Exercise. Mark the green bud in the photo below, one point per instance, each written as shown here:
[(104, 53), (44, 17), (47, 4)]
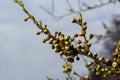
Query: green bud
[(61, 53), (87, 77), (71, 39), (114, 64), (115, 54), (67, 43), (84, 23), (97, 73), (109, 72), (89, 64), (70, 59), (91, 36), (67, 37), (73, 20), (100, 59), (73, 72), (38, 33), (56, 45), (89, 44), (79, 46), (56, 50), (46, 31), (54, 41), (108, 61), (95, 55), (98, 67), (83, 33), (79, 41), (102, 69), (61, 38), (45, 26), (106, 69), (113, 69), (67, 47), (67, 68), (50, 41), (105, 75), (56, 32), (59, 33), (115, 59), (43, 40), (75, 35), (84, 28), (89, 54), (52, 46)]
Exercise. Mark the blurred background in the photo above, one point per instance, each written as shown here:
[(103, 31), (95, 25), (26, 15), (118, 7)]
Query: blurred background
[(23, 56)]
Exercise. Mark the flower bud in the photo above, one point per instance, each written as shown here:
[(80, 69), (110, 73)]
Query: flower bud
[(79, 41), (67, 43), (38, 33), (87, 77), (73, 72), (100, 59), (76, 35), (88, 44), (45, 31), (61, 53), (67, 48), (43, 40), (108, 61), (97, 73), (70, 59), (84, 28), (114, 64), (91, 36), (95, 55), (89, 64), (50, 41), (84, 23), (73, 20), (83, 33), (89, 54), (67, 37), (71, 39)]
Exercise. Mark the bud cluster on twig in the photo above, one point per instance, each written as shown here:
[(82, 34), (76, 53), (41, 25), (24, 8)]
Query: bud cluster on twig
[(64, 46)]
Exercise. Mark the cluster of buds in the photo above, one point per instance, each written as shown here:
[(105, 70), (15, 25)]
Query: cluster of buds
[(67, 68), (116, 59), (100, 66), (106, 67), (64, 46)]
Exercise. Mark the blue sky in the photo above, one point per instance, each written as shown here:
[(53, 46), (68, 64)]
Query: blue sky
[(22, 54)]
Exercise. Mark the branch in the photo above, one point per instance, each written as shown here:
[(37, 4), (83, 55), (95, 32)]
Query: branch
[(81, 9)]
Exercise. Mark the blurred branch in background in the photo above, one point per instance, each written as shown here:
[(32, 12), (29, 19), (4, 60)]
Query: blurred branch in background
[(112, 35), (82, 7)]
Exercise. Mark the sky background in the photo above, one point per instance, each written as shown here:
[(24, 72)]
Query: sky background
[(22, 54)]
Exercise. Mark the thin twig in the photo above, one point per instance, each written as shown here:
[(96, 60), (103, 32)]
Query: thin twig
[(73, 11)]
